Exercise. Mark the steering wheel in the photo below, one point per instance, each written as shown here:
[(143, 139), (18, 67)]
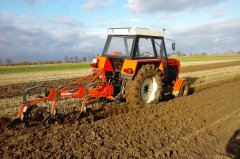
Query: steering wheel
[(145, 54)]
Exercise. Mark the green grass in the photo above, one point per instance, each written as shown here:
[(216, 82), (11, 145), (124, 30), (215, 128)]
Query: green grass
[(41, 68), (208, 58), (75, 66)]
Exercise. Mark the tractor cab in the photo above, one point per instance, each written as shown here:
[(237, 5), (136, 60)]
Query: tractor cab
[(142, 45), (134, 43)]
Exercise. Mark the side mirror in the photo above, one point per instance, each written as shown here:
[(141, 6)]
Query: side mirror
[(173, 46)]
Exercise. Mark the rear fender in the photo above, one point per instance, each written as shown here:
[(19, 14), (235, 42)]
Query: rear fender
[(131, 67)]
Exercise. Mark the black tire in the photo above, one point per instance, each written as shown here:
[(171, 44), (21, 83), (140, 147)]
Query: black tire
[(36, 115), (30, 112), (40, 114), (145, 88), (184, 90)]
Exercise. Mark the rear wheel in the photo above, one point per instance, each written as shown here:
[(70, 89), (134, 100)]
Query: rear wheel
[(145, 88), (184, 89)]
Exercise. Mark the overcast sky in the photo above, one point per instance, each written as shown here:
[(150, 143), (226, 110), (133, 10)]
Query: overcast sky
[(51, 29)]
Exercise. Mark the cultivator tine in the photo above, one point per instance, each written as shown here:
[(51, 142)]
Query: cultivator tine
[(83, 108), (84, 103), (78, 117), (47, 118), (53, 107)]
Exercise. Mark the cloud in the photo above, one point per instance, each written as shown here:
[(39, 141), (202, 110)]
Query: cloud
[(209, 37), (67, 21), (142, 6), (167, 16), (38, 38), (92, 5), (217, 11), (34, 3), (25, 38)]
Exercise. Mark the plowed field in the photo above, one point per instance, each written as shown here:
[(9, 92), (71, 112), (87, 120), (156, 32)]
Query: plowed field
[(205, 124), (11, 90)]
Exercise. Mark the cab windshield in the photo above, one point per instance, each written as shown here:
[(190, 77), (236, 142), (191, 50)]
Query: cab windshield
[(119, 46)]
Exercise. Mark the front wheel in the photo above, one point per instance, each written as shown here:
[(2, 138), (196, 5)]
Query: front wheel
[(145, 88)]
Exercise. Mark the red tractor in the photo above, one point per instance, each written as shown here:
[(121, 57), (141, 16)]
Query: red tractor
[(134, 66)]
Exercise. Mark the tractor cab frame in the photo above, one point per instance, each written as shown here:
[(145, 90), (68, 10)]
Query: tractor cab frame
[(135, 44), (139, 45)]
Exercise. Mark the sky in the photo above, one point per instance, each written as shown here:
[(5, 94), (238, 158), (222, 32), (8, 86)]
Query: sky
[(52, 29)]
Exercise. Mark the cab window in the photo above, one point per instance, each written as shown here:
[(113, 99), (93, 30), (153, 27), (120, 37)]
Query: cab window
[(145, 48), (119, 46), (159, 44)]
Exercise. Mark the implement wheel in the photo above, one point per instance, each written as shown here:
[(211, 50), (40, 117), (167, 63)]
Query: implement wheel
[(145, 88), (36, 115), (40, 114)]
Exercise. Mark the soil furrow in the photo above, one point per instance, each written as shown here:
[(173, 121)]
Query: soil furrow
[(179, 128)]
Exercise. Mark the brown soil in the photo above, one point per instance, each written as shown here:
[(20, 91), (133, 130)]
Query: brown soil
[(12, 90), (203, 125), (209, 66)]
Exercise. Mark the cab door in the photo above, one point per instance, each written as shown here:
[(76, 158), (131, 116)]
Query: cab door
[(170, 67)]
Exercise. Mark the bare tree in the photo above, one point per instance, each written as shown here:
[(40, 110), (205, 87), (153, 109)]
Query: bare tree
[(76, 59), (178, 53), (84, 59), (8, 61), (4, 61), (71, 59), (89, 58), (66, 59)]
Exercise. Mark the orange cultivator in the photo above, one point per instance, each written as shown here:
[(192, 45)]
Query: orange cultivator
[(96, 87)]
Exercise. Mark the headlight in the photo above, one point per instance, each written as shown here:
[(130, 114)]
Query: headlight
[(94, 60), (94, 63)]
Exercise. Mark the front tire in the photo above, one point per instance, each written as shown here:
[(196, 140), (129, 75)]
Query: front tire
[(145, 88)]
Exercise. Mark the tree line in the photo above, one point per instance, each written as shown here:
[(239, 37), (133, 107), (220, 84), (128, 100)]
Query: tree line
[(66, 59), (179, 53), (76, 59)]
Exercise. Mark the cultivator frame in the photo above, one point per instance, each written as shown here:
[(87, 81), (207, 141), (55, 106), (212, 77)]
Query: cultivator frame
[(83, 89)]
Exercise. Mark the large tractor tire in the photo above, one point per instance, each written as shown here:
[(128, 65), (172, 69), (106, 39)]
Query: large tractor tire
[(184, 90), (145, 88)]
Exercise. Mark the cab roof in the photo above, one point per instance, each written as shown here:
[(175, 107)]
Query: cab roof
[(135, 31)]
